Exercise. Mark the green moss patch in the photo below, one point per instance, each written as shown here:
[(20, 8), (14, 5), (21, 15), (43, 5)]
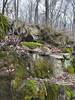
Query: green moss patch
[(31, 45), (70, 70), (68, 50)]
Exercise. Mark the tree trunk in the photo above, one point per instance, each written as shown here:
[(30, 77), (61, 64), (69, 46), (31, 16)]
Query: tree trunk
[(4, 5), (73, 26), (30, 12), (16, 8), (17, 11), (36, 12), (47, 12)]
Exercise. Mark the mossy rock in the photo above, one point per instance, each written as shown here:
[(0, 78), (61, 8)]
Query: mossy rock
[(4, 25)]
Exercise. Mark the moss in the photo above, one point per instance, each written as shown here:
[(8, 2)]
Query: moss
[(30, 88), (28, 91), (31, 45), (3, 26), (68, 50), (73, 62), (27, 97), (18, 77), (70, 69), (68, 92), (52, 91)]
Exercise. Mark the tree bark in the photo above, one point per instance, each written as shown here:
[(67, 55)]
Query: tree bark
[(36, 11), (30, 12), (73, 26), (47, 12), (16, 8)]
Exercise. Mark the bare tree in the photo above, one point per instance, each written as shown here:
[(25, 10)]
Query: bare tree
[(30, 11), (36, 11), (16, 8), (73, 26), (47, 11), (64, 17), (4, 6), (8, 7), (17, 11)]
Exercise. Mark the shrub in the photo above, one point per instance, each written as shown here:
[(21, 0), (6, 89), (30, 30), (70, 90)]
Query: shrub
[(3, 26), (43, 68)]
